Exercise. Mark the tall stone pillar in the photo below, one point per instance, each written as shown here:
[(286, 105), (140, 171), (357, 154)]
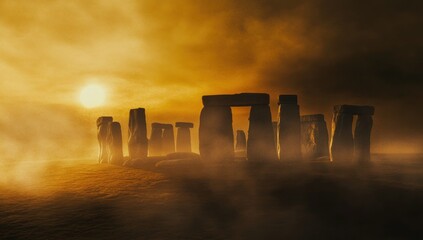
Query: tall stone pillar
[(137, 134), (241, 141), (362, 134), (155, 142), (168, 139), (102, 131), (289, 142), (260, 144), (183, 136), (342, 143), (314, 137), (114, 139), (216, 136)]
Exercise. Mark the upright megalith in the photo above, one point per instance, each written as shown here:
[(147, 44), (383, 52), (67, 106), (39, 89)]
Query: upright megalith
[(241, 141), (260, 144), (114, 142), (137, 134), (362, 134), (289, 130), (102, 131), (314, 137), (183, 136), (162, 140), (344, 146), (216, 136), (168, 139), (216, 132), (155, 142)]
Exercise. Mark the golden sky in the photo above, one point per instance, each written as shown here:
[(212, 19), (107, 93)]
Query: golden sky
[(164, 55)]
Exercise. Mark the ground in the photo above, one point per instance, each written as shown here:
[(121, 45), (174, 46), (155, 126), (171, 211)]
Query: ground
[(80, 199)]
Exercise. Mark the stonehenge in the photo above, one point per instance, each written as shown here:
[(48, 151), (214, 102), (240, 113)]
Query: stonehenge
[(102, 131), (345, 146), (289, 130), (314, 137), (137, 134), (183, 136), (162, 139), (114, 142), (216, 136)]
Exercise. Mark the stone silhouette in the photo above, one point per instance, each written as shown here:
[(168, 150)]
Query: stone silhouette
[(137, 134), (102, 131), (162, 139), (344, 146), (314, 137), (114, 142), (241, 141), (168, 139), (216, 131), (183, 136), (289, 130)]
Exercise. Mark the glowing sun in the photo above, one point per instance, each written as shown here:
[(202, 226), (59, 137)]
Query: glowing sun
[(92, 96)]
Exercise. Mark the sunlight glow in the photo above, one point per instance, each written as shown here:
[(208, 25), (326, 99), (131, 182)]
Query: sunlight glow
[(92, 96)]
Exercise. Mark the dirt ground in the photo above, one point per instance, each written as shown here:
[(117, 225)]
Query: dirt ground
[(79, 199)]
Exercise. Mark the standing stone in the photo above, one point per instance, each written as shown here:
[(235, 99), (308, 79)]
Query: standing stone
[(102, 131), (342, 143), (183, 136), (314, 137), (289, 134), (362, 134), (168, 139), (137, 134), (155, 143), (114, 139), (260, 144), (216, 136), (241, 141)]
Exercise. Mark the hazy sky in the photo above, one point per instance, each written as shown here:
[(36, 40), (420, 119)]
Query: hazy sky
[(164, 55)]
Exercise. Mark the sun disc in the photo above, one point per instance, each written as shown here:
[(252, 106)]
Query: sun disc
[(92, 96)]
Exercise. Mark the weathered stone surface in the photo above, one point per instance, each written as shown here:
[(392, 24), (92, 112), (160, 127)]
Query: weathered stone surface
[(241, 141), (289, 130), (183, 136), (216, 137), (102, 131), (183, 155), (184, 125), (168, 139), (242, 99), (260, 144), (362, 134), (114, 140), (155, 142), (185, 164), (342, 143), (314, 137), (137, 134)]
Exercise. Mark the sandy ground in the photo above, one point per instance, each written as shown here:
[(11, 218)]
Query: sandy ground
[(80, 199)]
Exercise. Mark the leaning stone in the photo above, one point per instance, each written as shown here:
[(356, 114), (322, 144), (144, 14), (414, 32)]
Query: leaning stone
[(342, 143), (362, 134), (168, 139), (155, 142), (102, 130), (183, 137)]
